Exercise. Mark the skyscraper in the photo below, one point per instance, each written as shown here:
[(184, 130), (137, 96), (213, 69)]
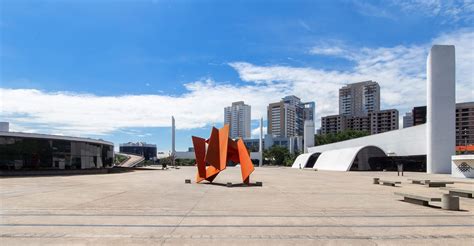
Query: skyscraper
[(286, 118), (359, 109), (238, 117), (359, 99), (281, 119)]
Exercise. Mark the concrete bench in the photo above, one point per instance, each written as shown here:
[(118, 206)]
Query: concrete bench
[(430, 183), (419, 181), (438, 183), (389, 183), (460, 192), (416, 199)]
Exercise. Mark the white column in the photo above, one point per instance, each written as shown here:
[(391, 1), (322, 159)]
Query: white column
[(173, 135), (260, 144), (441, 109), (308, 135)]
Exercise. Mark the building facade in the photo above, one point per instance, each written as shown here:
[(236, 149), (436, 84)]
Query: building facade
[(281, 119), (332, 124), (464, 121), (419, 115), (359, 99), (383, 121), (465, 124), (359, 109), (30, 151), (408, 119), (374, 123), (148, 151), (286, 118), (238, 117)]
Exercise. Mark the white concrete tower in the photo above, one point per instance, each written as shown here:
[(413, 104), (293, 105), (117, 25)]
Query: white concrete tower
[(173, 137), (441, 108), (308, 135), (260, 144)]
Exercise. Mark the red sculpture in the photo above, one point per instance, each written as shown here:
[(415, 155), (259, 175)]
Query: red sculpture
[(220, 149)]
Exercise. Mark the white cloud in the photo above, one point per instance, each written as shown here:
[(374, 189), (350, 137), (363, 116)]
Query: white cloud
[(400, 70), (455, 10), (256, 132), (369, 9), (80, 114), (331, 49)]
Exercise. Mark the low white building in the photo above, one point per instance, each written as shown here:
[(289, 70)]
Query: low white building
[(435, 139)]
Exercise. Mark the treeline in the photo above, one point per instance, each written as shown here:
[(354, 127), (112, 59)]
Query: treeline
[(338, 137)]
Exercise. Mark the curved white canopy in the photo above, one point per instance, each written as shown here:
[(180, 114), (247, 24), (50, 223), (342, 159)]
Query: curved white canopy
[(341, 159), (301, 160)]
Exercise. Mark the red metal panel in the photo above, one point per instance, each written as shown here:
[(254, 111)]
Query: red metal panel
[(212, 155), (200, 153), (246, 166), (220, 149), (223, 144)]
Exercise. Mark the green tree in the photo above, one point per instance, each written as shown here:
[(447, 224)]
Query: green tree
[(277, 155), (165, 161), (119, 158), (338, 137)]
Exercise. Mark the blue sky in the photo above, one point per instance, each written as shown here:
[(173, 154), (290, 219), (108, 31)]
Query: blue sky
[(118, 70)]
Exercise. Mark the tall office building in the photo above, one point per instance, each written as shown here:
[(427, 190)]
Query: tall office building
[(359, 99), (238, 118), (359, 109), (408, 120), (281, 119), (286, 118)]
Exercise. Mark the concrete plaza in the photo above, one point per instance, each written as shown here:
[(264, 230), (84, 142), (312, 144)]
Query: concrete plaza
[(293, 207)]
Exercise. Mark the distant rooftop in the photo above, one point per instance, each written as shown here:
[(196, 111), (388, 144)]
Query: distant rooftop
[(140, 144), (54, 137)]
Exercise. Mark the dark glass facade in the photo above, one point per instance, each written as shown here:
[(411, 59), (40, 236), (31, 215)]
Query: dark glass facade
[(148, 152), (419, 115), (18, 153)]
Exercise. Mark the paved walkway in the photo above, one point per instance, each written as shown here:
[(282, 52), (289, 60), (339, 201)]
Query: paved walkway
[(293, 207)]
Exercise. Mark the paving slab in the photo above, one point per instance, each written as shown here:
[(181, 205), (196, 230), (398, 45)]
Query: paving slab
[(294, 206)]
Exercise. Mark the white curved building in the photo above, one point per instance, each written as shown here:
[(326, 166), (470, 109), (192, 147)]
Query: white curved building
[(435, 139), (340, 156)]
